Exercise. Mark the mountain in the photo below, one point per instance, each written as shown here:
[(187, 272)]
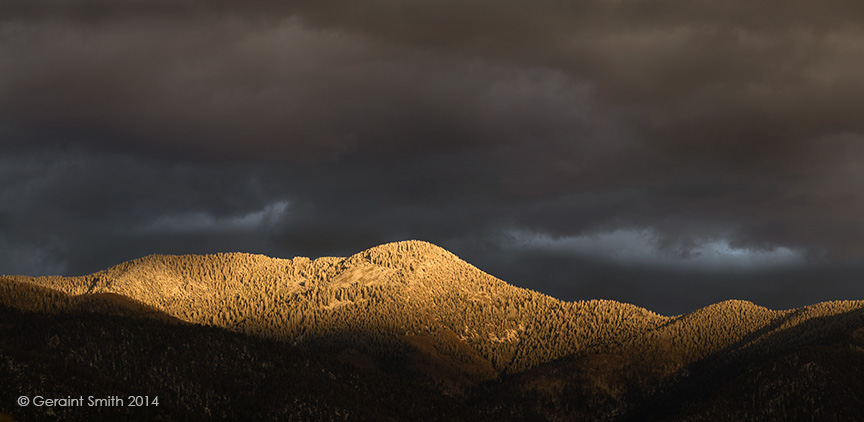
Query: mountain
[(419, 332)]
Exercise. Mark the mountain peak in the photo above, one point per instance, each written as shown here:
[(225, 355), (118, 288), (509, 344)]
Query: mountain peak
[(406, 252)]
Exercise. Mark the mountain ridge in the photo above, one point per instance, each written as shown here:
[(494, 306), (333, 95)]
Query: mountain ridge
[(439, 318), (417, 273)]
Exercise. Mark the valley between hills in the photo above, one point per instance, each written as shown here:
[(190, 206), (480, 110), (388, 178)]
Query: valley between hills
[(407, 331)]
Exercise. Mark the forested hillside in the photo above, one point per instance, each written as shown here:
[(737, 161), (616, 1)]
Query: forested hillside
[(413, 311)]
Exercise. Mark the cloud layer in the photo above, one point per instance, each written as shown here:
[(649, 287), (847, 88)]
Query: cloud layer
[(315, 128)]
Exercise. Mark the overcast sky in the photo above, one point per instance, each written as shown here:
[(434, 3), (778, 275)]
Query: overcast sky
[(667, 153)]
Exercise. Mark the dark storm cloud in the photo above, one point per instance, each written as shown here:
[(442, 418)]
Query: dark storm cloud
[(241, 88), (73, 212), (314, 128)]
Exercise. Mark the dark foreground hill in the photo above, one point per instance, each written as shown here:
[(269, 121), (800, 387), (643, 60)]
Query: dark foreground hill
[(406, 331)]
